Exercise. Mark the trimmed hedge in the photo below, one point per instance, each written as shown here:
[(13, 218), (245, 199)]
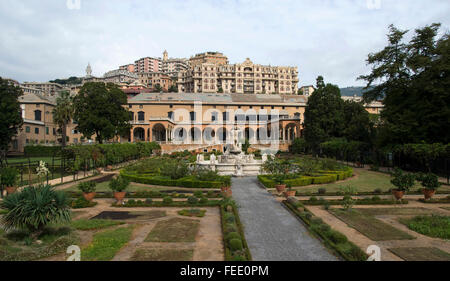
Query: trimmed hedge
[(41, 150), (189, 182), (324, 177)]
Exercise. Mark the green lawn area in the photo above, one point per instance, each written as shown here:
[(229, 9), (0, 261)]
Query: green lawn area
[(174, 230), (364, 181), (369, 226), (433, 226), (163, 255), (421, 254), (106, 244), (47, 160)]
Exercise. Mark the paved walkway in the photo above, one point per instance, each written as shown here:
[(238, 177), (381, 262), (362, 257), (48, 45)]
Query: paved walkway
[(272, 232)]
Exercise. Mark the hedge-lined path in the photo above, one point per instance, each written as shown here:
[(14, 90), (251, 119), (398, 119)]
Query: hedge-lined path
[(271, 231)]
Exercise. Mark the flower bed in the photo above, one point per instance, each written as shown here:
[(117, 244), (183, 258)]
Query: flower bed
[(322, 178), (366, 201), (189, 181)]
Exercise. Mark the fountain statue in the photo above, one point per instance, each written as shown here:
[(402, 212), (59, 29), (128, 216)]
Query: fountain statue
[(234, 161)]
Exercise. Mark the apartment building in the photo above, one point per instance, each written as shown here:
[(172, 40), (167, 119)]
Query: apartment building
[(46, 87), (215, 76)]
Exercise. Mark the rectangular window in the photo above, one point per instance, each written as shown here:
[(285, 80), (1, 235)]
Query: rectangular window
[(193, 116), (47, 130), (27, 129), (225, 116), (214, 116), (36, 131)]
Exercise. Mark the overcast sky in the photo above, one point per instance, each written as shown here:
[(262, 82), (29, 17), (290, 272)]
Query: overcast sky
[(42, 40)]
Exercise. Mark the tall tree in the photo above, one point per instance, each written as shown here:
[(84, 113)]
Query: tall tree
[(413, 80), (10, 117), (324, 116), (63, 114), (357, 124), (100, 110)]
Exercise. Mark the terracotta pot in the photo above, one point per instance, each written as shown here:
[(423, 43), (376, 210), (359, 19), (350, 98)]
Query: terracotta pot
[(109, 167), (428, 193), (119, 196), (99, 170), (289, 193), (11, 189), (89, 195), (280, 187), (398, 194), (225, 188)]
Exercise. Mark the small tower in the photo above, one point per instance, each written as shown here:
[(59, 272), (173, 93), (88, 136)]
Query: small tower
[(89, 70), (165, 55)]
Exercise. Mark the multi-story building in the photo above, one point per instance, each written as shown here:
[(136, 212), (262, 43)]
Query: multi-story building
[(208, 57), (148, 64), (243, 78), (307, 90), (119, 76), (151, 79), (46, 87), (127, 67)]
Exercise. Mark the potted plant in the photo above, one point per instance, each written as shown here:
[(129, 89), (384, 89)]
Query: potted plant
[(430, 182), (88, 189), (118, 186), (403, 182), (279, 179), (9, 178), (289, 192)]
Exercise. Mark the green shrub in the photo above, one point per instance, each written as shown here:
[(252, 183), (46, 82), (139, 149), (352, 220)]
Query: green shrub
[(34, 208), (8, 176), (377, 191), (192, 200), (198, 193), (230, 227), (203, 200), (87, 186), (81, 203), (148, 201), (233, 235), (174, 169), (239, 258), (119, 185), (322, 190), (376, 198), (235, 244), (402, 181), (229, 218), (313, 199), (167, 200), (336, 237)]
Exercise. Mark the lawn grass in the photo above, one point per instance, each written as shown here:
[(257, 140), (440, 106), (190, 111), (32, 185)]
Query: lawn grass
[(48, 160), (433, 226), (163, 255), (395, 211), (421, 254), (106, 244), (369, 226), (364, 181), (145, 215), (192, 213), (174, 230), (85, 224)]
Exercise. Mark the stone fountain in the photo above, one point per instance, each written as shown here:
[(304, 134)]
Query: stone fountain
[(234, 162)]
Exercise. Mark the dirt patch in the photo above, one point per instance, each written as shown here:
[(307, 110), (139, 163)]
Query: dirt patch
[(421, 254), (163, 255)]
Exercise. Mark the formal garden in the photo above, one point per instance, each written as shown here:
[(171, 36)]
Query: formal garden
[(164, 203)]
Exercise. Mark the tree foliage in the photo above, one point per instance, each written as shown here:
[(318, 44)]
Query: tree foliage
[(413, 81), (99, 110), (63, 114), (11, 117)]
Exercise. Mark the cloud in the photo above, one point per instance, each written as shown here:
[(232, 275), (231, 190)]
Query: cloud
[(43, 40)]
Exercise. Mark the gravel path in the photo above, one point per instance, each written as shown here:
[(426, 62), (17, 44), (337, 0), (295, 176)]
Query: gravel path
[(272, 233)]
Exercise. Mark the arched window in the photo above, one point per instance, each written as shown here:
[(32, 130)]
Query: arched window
[(37, 115)]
